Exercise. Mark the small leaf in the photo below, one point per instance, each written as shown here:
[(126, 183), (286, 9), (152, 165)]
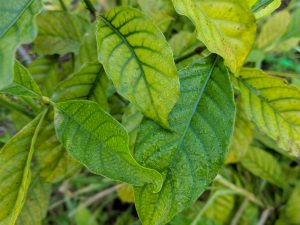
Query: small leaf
[(138, 59), (99, 142), (265, 7), (59, 33), (36, 204), (15, 174), (183, 43), (23, 84), (226, 27), (89, 83), (125, 193), (293, 29), (190, 156), (273, 106), (293, 206), (264, 165), (84, 217), (16, 28)]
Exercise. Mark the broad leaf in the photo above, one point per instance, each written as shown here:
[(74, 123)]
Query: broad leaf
[(138, 59), (23, 83), (226, 27), (16, 28), (242, 136), (36, 204), (52, 160), (90, 82), (59, 32), (264, 165), (191, 155), (15, 174), (99, 142), (265, 7), (273, 106), (273, 29)]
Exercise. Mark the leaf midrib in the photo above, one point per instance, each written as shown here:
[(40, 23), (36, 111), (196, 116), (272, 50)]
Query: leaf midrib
[(124, 40)]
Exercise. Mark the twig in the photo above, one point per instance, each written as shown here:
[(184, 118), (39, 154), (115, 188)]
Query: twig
[(63, 6), (95, 198), (264, 216), (239, 213), (239, 190), (91, 8)]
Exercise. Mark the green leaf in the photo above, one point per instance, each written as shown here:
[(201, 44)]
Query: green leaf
[(273, 29), (183, 43), (15, 173), (264, 165), (125, 193), (84, 217), (293, 206), (52, 160), (226, 27), (36, 204), (16, 28), (242, 136), (293, 29), (138, 59), (60, 32), (265, 7), (90, 82), (99, 142), (190, 156), (23, 83), (273, 106), (45, 72)]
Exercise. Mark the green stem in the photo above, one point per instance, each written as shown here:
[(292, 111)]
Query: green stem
[(63, 6), (197, 51), (239, 190), (5, 101), (90, 7)]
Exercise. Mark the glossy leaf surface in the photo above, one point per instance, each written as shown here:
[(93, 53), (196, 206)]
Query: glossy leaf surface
[(226, 27), (191, 155), (138, 59), (98, 141)]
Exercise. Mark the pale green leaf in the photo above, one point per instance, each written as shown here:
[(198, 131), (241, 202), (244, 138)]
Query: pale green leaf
[(15, 173), (273, 29), (36, 204), (45, 72), (226, 27), (190, 155), (52, 160), (287, 45), (273, 106), (242, 137), (99, 142), (265, 7), (293, 206), (138, 59), (23, 83), (60, 32), (293, 29), (125, 193), (264, 165), (85, 217), (183, 43), (89, 83), (16, 27)]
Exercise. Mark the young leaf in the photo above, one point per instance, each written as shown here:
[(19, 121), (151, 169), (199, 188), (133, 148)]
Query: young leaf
[(226, 27), (99, 142), (293, 29), (16, 27), (138, 59), (59, 33), (52, 160), (23, 84), (264, 165), (190, 156), (242, 136), (36, 204), (15, 174), (265, 7), (89, 83), (273, 106), (293, 206)]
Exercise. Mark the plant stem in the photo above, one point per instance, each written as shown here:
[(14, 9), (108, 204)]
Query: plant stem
[(197, 51), (5, 101), (264, 216), (239, 190), (239, 213), (90, 7), (63, 6)]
